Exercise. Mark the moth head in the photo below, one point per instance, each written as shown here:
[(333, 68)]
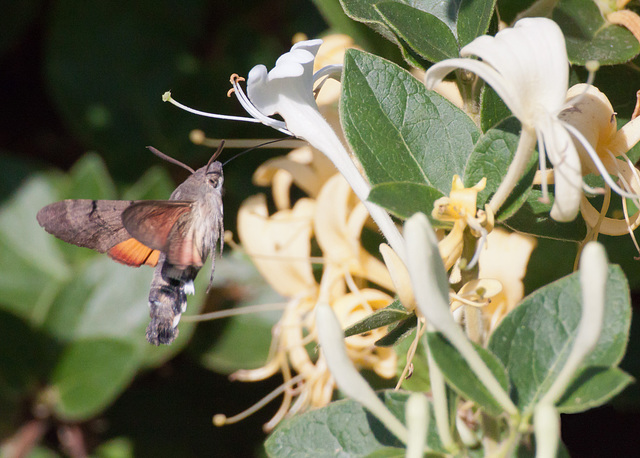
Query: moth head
[(214, 169)]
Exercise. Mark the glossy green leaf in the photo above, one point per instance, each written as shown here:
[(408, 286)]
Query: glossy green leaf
[(593, 387), (491, 157), (533, 218), (403, 199), (398, 130), (90, 373), (492, 109), (460, 376), (410, 24), (590, 37), (474, 17), (392, 313), (534, 340)]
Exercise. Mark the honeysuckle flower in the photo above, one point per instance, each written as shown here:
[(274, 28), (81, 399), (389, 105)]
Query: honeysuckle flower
[(593, 116), (431, 288), (593, 282), (504, 258), (527, 66), (279, 244), (288, 90), (305, 167), (460, 209)]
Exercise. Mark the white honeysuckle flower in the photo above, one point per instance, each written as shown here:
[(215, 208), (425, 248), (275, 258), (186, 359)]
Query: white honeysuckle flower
[(348, 379), (288, 90), (431, 289), (593, 282), (528, 68)]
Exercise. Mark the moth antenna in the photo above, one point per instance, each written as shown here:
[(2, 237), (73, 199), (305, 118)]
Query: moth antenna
[(163, 156), (216, 154), (253, 148)]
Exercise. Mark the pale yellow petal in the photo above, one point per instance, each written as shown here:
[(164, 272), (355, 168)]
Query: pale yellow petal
[(505, 258), (279, 245)]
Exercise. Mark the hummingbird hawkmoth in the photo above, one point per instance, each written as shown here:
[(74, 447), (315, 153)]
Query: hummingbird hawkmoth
[(176, 236)]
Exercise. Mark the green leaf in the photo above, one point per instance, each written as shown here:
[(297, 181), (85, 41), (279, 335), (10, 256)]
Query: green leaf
[(533, 218), (398, 333), (89, 179), (398, 130), (590, 37), (410, 25), (460, 376), (593, 387), (534, 340), (343, 428), (31, 264), (89, 375), (403, 199), (474, 17), (392, 313), (154, 184), (492, 109), (491, 158)]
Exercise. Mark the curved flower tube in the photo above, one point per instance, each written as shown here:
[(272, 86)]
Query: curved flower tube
[(527, 66)]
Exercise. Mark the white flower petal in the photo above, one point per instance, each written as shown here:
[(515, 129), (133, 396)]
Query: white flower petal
[(503, 87), (567, 170), (532, 55)]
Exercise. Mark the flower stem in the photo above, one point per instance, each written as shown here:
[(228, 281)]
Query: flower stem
[(521, 158)]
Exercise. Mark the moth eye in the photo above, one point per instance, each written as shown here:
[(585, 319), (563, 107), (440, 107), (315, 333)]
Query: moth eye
[(213, 181)]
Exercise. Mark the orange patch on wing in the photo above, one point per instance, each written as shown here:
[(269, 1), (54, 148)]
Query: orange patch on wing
[(133, 253)]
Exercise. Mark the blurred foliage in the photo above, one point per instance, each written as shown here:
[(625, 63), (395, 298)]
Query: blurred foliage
[(88, 76)]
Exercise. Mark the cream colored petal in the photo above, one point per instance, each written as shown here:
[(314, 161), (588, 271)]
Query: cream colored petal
[(595, 118), (279, 245), (626, 138), (400, 276), (608, 226), (302, 174), (330, 222), (505, 258), (354, 307)]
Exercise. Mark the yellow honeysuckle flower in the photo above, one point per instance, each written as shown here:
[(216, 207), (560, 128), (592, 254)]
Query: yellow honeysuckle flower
[(280, 246), (460, 209)]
